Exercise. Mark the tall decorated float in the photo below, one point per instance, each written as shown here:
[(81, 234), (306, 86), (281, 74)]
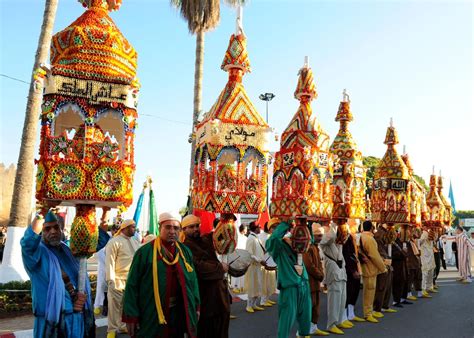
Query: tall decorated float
[(88, 121), (417, 193), (303, 167), (349, 185), (448, 210), (435, 206), (232, 155), (390, 198)]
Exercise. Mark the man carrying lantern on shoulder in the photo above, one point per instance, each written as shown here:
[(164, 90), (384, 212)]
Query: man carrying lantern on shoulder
[(286, 245)]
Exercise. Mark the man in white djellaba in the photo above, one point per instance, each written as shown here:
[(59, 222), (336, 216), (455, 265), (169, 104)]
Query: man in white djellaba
[(254, 274)]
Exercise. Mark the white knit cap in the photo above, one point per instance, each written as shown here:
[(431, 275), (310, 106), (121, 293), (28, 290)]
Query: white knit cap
[(169, 216)]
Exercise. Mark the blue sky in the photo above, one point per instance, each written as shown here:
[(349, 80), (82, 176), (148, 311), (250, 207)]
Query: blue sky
[(410, 60)]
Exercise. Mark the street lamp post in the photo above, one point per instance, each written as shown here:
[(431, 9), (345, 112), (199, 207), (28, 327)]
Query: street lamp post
[(267, 97)]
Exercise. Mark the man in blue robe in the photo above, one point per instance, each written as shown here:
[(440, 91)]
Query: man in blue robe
[(53, 271)]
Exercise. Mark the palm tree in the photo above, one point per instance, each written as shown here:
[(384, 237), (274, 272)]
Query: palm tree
[(22, 189), (201, 16)]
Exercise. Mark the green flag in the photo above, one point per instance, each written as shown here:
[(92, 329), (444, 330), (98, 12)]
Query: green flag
[(153, 225)]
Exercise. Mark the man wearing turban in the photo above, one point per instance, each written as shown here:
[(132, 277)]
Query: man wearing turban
[(213, 290), (53, 272), (161, 298)]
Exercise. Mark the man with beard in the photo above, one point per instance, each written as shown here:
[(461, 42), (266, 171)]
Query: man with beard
[(53, 272), (161, 298), (383, 284), (314, 267), (213, 290)]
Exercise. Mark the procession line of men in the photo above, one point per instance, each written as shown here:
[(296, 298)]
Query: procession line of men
[(189, 285)]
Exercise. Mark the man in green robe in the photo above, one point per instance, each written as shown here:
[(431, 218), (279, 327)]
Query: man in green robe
[(294, 300), (161, 298)]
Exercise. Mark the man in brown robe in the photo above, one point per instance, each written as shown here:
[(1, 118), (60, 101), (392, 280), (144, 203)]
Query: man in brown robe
[(412, 288), (213, 290), (314, 267), (384, 280)]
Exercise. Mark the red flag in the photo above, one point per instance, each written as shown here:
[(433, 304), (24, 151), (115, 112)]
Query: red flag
[(263, 218), (207, 220)]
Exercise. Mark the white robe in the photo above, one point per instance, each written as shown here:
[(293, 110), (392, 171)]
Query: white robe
[(101, 284), (269, 277), (427, 254), (335, 277), (254, 275), (238, 282), (464, 256)]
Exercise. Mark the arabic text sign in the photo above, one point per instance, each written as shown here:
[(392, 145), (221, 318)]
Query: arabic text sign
[(95, 92)]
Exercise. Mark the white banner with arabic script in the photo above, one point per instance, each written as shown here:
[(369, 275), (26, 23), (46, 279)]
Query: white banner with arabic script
[(95, 92), (227, 134)]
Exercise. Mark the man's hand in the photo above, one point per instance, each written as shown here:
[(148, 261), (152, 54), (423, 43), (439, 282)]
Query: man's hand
[(105, 217), (225, 267), (132, 329)]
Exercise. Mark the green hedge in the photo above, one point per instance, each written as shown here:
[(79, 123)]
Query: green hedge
[(13, 304)]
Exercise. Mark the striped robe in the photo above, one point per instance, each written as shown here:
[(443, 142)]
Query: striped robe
[(464, 258)]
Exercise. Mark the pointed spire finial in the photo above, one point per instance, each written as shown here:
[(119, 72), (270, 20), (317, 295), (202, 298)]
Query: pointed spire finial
[(345, 96), (239, 27), (306, 62), (391, 122), (433, 170), (404, 149)]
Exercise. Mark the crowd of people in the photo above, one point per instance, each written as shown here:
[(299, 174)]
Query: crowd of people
[(176, 284)]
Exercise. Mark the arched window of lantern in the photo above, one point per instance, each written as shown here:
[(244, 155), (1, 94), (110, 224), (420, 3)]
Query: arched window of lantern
[(227, 169), (252, 163), (112, 125), (69, 117), (296, 180), (278, 184)]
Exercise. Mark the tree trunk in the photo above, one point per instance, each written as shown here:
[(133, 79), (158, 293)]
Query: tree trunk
[(12, 267), (198, 74)]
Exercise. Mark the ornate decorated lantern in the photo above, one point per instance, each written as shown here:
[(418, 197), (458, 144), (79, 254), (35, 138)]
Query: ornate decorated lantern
[(434, 203), (417, 208), (349, 171), (390, 197), (231, 159), (303, 167), (448, 210), (88, 121)]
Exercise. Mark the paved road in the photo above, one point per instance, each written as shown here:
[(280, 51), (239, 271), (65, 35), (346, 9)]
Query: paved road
[(449, 314)]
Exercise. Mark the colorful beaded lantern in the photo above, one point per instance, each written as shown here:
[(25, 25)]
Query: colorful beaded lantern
[(436, 209), (300, 239), (448, 210), (88, 120), (224, 237), (349, 171), (303, 167), (390, 195), (418, 208), (231, 159)]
